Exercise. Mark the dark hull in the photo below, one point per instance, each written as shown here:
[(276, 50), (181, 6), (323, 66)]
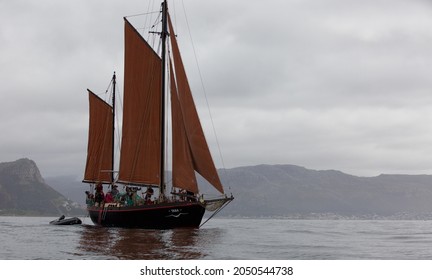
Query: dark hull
[(70, 221), (157, 216)]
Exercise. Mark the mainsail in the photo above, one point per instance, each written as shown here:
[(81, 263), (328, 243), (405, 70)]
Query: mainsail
[(140, 146), (99, 156)]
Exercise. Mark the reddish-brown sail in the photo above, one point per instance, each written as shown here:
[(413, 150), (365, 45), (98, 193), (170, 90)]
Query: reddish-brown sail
[(201, 157), (99, 156), (140, 147), (183, 170)]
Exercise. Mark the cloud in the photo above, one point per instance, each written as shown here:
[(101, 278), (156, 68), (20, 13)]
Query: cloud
[(325, 84)]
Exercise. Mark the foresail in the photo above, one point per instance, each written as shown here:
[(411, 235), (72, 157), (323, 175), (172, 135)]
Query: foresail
[(183, 174), (202, 160), (140, 147), (99, 149)]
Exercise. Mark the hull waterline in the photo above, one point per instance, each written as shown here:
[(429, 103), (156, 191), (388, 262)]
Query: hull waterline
[(158, 216)]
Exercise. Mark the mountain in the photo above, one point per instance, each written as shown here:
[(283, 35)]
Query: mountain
[(293, 191), (297, 192), (259, 191), (23, 191)]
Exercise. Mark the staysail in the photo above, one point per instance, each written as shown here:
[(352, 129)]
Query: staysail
[(183, 170), (99, 156), (140, 146), (197, 144)]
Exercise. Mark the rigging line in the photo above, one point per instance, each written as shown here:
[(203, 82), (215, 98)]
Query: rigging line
[(142, 14), (175, 15), (205, 93), (151, 38), (216, 212), (108, 89), (151, 3), (154, 26)]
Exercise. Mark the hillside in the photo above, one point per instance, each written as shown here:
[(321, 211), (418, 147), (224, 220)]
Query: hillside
[(23, 191), (293, 191), (259, 191), (298, 192)]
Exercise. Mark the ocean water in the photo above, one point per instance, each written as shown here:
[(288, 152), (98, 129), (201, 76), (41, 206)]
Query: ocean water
[(32, 238)]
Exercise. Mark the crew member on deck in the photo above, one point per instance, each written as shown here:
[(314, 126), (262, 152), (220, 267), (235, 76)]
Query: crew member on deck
[(114, 190), (99, 195), (149, 193), (109, 197), (89, 198)]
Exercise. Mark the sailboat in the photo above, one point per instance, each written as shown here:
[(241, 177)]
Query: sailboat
[(142, 162)]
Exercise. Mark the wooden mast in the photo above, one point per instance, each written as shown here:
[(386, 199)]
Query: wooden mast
[(113, 128), (164, 35)]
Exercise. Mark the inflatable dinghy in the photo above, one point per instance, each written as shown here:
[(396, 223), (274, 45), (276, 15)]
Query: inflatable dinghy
[(68, 221)]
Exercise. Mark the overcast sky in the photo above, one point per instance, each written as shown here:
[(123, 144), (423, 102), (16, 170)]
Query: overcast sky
[(328, 84)]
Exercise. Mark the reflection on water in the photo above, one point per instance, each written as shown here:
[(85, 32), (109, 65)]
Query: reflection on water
[(130, 244)]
